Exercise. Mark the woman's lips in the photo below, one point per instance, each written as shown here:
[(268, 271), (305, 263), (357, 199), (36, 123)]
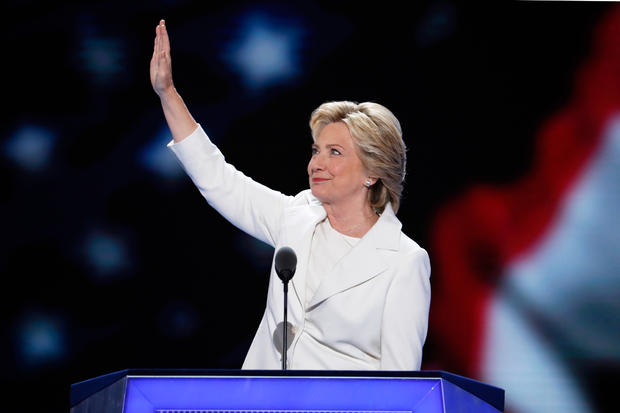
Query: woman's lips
[(319, 180)]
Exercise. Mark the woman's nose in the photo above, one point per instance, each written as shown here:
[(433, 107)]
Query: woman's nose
[(316, 163)]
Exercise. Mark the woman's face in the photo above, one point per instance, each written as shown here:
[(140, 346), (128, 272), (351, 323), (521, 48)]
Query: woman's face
[(335, 171)]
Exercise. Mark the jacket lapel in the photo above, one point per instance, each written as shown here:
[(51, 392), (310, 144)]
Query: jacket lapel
[(302, 221), (364, 261)]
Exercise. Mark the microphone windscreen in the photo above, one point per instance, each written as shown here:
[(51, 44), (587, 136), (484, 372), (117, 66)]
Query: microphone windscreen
[(286, 263)]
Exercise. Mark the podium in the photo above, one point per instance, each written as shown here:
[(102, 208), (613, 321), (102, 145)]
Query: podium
[(292, 391)]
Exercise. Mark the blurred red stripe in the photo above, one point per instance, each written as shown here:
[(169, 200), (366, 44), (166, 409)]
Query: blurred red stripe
[(476, 236)]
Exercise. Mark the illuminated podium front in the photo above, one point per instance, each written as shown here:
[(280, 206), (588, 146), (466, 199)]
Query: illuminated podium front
[(293, 391)]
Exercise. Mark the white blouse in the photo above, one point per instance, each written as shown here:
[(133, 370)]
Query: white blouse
[(327, 249)]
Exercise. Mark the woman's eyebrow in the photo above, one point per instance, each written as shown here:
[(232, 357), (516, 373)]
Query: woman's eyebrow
[(329, 145)]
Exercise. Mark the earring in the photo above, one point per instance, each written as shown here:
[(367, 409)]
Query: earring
[(367, 183)]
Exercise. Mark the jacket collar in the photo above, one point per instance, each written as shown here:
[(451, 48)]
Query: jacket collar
[(386, 231), (362, 263)]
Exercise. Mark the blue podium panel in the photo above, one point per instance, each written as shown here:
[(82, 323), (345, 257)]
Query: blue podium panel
[(280, 394), (287, 393)]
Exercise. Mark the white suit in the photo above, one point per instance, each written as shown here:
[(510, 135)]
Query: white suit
[(369, 313)]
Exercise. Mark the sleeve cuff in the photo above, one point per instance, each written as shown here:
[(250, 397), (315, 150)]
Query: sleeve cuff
[(192, 136)]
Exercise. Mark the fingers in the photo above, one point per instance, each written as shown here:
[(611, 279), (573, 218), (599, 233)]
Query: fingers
[(159, 42), (165, 39), (156, 42), (161, 47), (155, 45)]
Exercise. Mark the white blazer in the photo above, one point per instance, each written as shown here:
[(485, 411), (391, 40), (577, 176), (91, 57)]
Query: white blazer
[(369, 313)]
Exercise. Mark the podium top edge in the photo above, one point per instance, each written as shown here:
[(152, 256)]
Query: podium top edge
[(171, 372), (489, 393), (275, 373)]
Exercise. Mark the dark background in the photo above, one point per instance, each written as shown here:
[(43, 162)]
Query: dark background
[(109, 263)]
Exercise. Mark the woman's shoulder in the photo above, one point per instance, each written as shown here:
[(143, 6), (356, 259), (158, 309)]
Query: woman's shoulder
[(408, 245), (415, 253), (412, 250)]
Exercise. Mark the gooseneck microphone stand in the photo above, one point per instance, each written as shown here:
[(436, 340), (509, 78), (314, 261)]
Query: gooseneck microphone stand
[(285, 327), (286, 263)]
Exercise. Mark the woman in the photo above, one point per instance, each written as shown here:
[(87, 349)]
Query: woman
[(361, 293)]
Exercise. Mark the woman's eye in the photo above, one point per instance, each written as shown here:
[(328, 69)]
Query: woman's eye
[(314, 151), (335, 152)]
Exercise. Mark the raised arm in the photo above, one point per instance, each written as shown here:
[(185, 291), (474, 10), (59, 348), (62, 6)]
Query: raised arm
[(247, 204), (180, 121)]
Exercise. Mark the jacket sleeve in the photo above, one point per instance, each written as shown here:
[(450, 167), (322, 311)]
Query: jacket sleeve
[(405, 315), (248, 205)]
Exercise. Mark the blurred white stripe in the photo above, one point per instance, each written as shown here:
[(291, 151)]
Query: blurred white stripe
[(570, 281)]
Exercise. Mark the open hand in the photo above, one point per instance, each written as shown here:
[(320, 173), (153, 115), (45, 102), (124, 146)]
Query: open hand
[(161, 64)]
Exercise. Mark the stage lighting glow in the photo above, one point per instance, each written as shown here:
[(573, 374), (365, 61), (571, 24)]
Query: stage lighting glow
[(102, 58), (31, 147), (157, 158), (437, 24), (40, 340), (265, 51), (106, 254)]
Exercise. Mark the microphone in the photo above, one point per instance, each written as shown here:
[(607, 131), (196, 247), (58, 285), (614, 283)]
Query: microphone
[(286, 264)]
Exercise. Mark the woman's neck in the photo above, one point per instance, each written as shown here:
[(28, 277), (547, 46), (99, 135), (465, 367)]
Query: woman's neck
[(354, 222)]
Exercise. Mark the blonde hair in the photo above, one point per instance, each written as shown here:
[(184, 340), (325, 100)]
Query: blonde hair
[(377, 136)]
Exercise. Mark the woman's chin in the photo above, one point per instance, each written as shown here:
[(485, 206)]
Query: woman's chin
[(318, 194)]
